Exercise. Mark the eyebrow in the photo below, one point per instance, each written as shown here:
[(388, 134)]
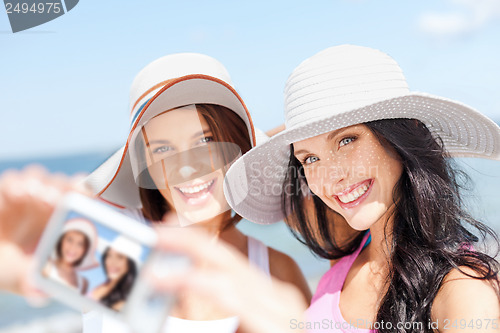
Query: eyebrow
[(149, 143), (204, 132), (328, 138), (334, 133)]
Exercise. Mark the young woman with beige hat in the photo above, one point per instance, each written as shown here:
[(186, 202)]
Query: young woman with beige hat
[(364, 148), (188, 125), (74, 253)]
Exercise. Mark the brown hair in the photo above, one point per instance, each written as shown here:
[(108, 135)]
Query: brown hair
[(226, 126), (86, 244)]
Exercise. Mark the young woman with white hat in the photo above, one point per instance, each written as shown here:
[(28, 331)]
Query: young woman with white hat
[(120, 261), (188, 125), (74, 252), (359, 145)]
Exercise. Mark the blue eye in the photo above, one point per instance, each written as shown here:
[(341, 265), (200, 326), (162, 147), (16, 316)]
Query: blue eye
[(162, 149), (346, 141), (310, 160), (207, 139)]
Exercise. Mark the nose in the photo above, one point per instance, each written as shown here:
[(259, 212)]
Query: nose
[(186, 171), (188, 165), (336, 175), (188, 162)]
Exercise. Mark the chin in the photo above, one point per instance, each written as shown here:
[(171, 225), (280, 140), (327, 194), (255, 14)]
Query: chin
[(193, 217), (115, 277), (204, 214), (365, 221), (359, 226), (197, 217)]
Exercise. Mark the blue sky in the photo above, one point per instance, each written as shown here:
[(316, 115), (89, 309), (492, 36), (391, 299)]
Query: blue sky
[(65, 84)]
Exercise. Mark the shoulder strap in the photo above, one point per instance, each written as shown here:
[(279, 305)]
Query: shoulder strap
[(349, 260), (368, 240), (258, 254)]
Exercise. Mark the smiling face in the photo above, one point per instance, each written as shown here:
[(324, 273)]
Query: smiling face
[(183, 161), (73, 247), (351, 172), (116, 264)]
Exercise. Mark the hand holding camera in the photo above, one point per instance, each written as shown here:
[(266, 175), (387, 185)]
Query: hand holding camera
[(27, 199)]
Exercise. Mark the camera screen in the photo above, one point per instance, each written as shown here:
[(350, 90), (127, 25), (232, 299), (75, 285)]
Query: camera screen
[(95, 261)]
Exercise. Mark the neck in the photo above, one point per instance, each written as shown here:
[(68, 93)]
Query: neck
[(63, 265), (378, 252), (214, 225)]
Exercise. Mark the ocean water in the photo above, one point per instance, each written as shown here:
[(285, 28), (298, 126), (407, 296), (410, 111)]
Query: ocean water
[(17, 316)]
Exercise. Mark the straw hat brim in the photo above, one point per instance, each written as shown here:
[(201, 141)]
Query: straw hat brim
[(129, 251), (113, 181), (253, 185)]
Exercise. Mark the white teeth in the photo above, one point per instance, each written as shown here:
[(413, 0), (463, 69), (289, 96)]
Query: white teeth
[(195, 189), (354, 194)]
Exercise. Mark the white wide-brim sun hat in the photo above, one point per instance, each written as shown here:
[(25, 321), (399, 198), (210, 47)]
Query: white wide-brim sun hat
[(169, 82), (125, 246), (336, 88)]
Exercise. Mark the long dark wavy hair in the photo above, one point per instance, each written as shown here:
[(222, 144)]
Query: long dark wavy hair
[(122, 289), (431, 233)]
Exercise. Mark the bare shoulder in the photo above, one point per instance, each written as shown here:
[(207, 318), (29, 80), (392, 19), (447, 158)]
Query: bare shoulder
[(284, 268), (462, 297), (281, 265)]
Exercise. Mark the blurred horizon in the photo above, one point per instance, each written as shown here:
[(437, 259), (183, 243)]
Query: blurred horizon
[(65, 83), (64, 161)]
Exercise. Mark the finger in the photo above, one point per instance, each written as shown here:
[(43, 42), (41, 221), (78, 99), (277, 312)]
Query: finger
[(208, 285), (34, 296), (27, 199), (199, 246), (14, 265), (36, 170), (30, 182), (237, 297)]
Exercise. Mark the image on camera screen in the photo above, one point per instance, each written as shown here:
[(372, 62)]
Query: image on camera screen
[(95, 261)]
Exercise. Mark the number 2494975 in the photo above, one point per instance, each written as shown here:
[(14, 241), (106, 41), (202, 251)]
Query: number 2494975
[(35, 8)]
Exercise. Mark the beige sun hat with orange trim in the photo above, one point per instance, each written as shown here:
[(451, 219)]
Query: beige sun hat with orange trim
[(87, 228), (169, 82)]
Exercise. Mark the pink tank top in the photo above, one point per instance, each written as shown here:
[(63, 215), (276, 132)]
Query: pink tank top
[(324, 313)]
